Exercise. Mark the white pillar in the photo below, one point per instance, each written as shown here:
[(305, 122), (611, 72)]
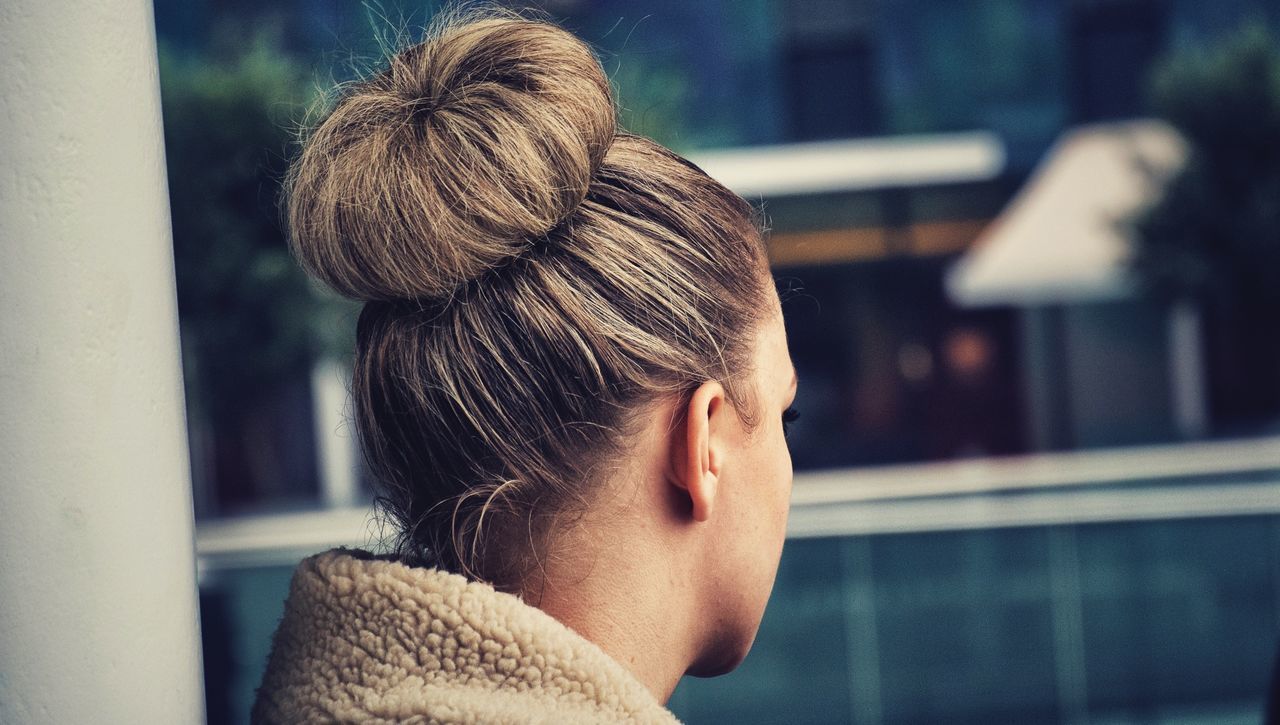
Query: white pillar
[(98, 619), (335, 435)]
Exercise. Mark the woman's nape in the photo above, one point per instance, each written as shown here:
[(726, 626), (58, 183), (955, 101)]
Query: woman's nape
[(670, 570)]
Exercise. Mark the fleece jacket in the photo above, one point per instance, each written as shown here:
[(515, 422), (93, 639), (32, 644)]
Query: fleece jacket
[(370, 640)]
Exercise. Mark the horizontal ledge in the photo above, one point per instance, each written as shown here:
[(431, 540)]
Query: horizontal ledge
[(1041, 470), (1058, 508), (285, 539), (856, 164)]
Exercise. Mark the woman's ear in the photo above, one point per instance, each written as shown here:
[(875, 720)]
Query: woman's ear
[(697, 448)]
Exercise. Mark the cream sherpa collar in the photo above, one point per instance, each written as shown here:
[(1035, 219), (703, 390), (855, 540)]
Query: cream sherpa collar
[(368, 640)]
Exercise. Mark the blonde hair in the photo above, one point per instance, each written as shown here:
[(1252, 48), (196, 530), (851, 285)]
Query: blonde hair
[(533, 278)]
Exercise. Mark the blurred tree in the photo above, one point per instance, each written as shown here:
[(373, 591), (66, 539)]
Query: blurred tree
[(652, 100), (251, 322), (1214, 238)]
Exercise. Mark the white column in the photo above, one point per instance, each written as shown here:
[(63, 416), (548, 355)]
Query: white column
[(335, 435), (98, 618)]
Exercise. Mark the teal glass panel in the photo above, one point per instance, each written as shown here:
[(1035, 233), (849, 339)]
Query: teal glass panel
[(965, 626), (1178, 614)]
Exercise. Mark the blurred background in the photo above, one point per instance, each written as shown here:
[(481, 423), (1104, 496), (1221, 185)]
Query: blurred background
[(1030, 257)]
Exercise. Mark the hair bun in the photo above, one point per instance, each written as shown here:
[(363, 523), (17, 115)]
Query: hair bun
[(472, 143)]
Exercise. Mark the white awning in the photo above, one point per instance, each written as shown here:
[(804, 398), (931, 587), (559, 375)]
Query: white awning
[(1064, 237), (856, 164)]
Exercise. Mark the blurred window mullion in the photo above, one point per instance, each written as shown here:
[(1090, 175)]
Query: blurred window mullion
[(830, 66)]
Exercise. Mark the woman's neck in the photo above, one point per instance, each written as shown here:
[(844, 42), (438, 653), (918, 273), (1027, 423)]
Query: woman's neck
[(629, 602)]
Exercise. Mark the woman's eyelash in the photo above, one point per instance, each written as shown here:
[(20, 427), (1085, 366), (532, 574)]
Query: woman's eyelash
[(789, 416)]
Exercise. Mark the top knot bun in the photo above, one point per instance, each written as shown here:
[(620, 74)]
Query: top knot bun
[(471, 145)]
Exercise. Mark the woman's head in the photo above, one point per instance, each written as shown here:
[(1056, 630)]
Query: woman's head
[(536, 282)]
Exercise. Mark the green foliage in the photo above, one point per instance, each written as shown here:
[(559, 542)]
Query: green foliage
[(250, 318), (1215, 235), (652, 100)]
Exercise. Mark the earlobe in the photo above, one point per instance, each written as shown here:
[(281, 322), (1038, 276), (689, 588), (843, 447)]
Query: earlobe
[(702, 449)]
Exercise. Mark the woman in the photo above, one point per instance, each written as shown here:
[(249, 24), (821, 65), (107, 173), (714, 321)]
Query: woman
[(571, 381)]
